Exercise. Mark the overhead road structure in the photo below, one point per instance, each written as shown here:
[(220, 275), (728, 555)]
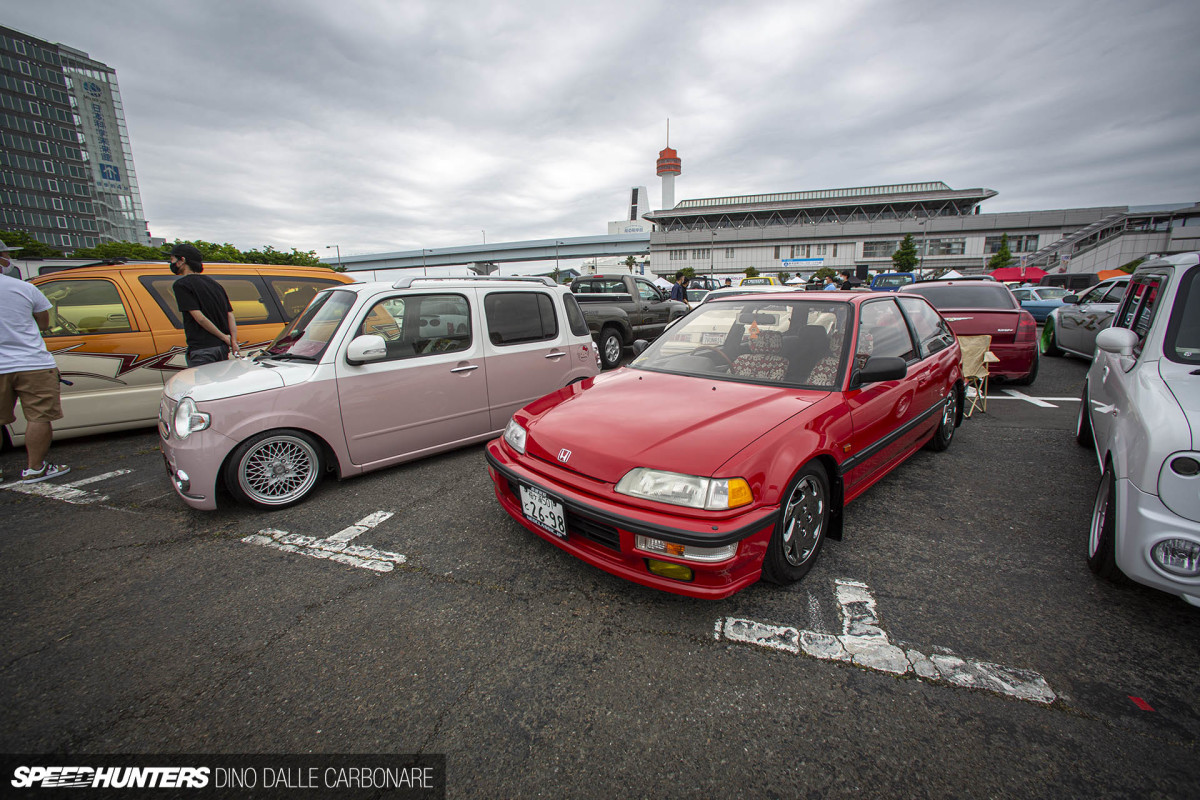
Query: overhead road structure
[(483, 257)]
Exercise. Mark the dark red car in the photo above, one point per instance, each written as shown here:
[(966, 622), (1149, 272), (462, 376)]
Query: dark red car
[(978, 308), (726, 451)]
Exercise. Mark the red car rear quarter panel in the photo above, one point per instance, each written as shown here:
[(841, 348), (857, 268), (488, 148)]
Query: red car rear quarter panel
[(636, 418)]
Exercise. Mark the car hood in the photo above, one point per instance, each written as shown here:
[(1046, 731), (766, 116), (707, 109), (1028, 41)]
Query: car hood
[(1185, 386), (236, 377), (635, 418)]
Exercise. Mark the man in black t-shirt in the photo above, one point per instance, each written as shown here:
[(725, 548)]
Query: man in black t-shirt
[(208, 324)]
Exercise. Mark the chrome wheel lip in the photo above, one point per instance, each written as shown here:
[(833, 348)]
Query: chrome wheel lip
[(804, 521), (278, 471)]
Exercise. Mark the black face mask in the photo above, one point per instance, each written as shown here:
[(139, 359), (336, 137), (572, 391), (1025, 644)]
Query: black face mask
[(175, 269)]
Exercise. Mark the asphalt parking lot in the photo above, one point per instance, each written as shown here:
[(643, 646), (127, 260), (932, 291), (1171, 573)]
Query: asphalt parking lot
[(135, 625)]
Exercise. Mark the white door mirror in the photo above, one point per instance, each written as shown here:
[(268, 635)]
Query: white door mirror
[(1118, 341), (369, 347)]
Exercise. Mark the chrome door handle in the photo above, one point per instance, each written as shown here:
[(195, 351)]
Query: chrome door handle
[(554, 355), (468, 368)]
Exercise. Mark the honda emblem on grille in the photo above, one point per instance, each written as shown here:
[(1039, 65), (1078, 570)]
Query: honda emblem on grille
[(563, 455)]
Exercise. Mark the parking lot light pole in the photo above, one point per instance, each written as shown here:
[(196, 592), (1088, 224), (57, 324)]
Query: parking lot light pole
[(921, 262), (556, 269), (339, 254), (712, 268)]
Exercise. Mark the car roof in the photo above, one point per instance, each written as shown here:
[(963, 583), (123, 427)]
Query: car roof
[(92, 270)]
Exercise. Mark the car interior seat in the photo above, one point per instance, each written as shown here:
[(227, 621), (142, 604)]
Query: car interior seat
[(764, 361)]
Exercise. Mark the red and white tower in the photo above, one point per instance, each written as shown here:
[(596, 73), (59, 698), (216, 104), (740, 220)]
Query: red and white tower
[(669, 166)]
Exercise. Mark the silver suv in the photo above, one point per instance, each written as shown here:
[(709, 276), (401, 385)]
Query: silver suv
[(371, 375)]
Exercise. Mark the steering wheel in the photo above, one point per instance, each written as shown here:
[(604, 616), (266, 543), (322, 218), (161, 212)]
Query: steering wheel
[(65, 324), (719, 352)]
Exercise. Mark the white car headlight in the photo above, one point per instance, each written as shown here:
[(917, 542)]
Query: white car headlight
[(713, 494), (188, 419), (514, 434)]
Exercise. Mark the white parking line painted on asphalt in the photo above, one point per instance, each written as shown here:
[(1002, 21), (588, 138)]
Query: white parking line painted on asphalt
[(337, 547), (66, 492), (865, 643)]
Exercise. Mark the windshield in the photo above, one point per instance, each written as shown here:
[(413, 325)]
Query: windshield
[(1183, 333), (1052, 293), (892, 281), (971, 295), (310, 333), (795, 343)]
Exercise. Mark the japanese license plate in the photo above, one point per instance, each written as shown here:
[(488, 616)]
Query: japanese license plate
[(543, 510)]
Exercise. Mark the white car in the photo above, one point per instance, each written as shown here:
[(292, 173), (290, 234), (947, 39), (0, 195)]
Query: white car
[(1141, 410)]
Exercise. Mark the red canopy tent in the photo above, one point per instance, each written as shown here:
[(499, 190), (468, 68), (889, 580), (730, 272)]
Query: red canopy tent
[(1031, 274)]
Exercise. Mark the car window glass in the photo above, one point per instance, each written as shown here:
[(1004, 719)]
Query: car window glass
[(85, 306), (1183, 334), (933, 332), (882, 332), (1022, 294), (1147, 305), (601, 286), (745, 339), (1094, 295), (646, 291), (1115, 293), (520, 317), (1052, 293), (308, 335), (984, 294), (294, 294), (420, 324), (575, 319), (1129, 306), (247, 296)]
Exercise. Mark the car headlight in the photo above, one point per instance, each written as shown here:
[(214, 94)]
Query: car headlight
[(713, 494), (1178, 557), (188, 419), (514, 434)]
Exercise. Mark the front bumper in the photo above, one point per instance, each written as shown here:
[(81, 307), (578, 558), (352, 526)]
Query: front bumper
[(602, 533), (194, 466), (1143, 521)]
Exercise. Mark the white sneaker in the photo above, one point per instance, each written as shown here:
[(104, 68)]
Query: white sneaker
[(47, 471)]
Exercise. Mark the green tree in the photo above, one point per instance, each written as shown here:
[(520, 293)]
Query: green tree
[(905, 259), (129, 251), (688, 273), (784, 277), (630, 262), (751, 272), (30, 247), (823, 273), (1003, 256)]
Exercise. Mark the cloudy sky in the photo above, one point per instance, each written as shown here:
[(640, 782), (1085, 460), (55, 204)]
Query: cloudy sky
[(385, 125)]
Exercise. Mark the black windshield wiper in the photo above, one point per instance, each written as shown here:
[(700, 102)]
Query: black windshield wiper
[(287, 357)]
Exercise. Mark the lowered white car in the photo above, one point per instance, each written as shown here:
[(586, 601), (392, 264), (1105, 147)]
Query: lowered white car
[(1141, 410)]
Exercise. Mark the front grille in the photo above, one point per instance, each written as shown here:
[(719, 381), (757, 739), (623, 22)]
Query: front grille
[(579, 525)]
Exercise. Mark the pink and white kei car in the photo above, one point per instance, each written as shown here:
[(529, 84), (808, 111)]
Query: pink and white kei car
[(370, 375)]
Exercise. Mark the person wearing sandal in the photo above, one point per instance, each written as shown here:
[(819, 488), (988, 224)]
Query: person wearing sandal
[(28, 373)]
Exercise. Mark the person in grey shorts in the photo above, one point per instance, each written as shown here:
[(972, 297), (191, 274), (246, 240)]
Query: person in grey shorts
[(28, 372)]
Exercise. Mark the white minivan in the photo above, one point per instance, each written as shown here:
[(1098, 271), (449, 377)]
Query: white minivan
[(371, 375)]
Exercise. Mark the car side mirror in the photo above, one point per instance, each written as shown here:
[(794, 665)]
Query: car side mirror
[(1071, 300), (881, 368), (366, 348), (639, 346), (1118, 341)]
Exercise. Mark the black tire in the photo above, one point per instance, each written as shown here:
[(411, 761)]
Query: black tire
[(950, 419), (1049, 340), (1102, 535), (800, 530), (610, 348), (1026, 380), (1083, 422), (275, 469)]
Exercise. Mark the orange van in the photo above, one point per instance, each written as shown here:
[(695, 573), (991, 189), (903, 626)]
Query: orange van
[(117, 334)]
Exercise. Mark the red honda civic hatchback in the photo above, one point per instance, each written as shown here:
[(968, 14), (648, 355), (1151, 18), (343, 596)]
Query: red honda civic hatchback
[(726, 450)]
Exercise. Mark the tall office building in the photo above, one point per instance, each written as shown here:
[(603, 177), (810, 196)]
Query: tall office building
[(66, 168)]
